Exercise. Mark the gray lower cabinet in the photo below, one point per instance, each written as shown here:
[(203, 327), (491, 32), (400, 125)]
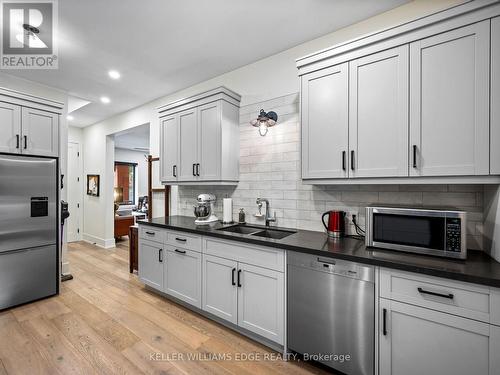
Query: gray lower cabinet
[(495, 97), (220, 293), (416, 340), (261, 295), (183, 275), (151, 269), (251, 297), (430, 325)]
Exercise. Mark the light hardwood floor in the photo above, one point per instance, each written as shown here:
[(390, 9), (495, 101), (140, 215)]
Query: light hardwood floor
[(105, 322)]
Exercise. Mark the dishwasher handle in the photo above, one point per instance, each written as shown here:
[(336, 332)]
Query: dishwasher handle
[(329, 261)]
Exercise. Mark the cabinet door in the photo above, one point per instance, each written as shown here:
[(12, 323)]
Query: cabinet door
[(261, 294), (220, 293), (449, 103), (169, 148), (209, 140), (324, 113), (40, 132), (378, 123), (495, 97), (151, 264), (188, 145), (423, 341), (10, 128), (183, 275)]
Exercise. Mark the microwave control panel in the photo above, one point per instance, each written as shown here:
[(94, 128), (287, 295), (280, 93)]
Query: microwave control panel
[(453, 234)]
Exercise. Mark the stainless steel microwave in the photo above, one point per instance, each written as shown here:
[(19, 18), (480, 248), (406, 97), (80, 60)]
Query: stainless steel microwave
[(440, 232)]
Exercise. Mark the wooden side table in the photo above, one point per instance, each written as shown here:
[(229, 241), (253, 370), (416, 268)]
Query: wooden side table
[(133, 236)]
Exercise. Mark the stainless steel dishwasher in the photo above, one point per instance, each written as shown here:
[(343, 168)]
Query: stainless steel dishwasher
[(331, 312)]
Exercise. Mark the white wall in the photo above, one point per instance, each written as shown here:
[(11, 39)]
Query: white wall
[(278, 72), (75, 134), (130, 156)]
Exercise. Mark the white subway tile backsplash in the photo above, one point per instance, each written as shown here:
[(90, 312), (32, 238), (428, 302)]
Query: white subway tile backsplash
[(270, 168)]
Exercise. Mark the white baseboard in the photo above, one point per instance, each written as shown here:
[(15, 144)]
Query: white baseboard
[(101, 242)]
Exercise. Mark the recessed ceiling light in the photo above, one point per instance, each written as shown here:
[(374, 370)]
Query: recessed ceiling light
[(105, 99), (114, 74), (69, 118)]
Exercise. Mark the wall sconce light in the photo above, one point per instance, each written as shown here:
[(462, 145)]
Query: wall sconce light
[(265, 121)]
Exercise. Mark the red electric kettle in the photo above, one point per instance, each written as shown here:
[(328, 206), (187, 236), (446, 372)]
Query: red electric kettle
[(336, 223)]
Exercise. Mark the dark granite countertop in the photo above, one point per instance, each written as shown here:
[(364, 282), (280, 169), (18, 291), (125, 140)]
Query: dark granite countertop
[(479, 268)]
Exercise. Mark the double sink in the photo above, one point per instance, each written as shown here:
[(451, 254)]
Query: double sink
[(276, 234)]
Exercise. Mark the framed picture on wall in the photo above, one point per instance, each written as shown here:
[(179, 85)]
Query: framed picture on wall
[(93, 185)]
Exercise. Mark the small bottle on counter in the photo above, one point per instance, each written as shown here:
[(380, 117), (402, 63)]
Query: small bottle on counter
[(241, 216)]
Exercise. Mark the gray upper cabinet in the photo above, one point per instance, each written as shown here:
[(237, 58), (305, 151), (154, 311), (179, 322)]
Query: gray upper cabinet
[(188, 150), (28, 131), (169, 148), (209, 130), (495, 97), (449, 103), (324, 116), (416, 103), (10, 128), (40, 132), (378, 123), (200, 139)]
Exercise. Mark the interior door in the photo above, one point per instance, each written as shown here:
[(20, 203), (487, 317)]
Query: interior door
[(495, 97), (219, 290), (40, 132), (74, 181), (378, 122), (261, 294), (188, 145), (10, 128), (209, 137), (422, 341), (169, 148), (449, 103), (325, 125)]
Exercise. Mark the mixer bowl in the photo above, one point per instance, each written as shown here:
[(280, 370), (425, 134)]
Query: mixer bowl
[(201, 211)]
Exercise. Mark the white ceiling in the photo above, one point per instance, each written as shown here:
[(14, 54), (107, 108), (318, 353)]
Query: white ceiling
[(162, 46), (136, 139)]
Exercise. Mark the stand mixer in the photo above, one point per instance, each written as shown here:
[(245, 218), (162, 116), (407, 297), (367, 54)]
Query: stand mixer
[(204, 210)]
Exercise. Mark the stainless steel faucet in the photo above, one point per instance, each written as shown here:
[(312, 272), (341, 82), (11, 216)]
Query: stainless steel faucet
[(269, 218)]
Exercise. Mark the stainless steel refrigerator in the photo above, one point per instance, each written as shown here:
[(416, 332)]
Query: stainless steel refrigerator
[(29, 257)]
